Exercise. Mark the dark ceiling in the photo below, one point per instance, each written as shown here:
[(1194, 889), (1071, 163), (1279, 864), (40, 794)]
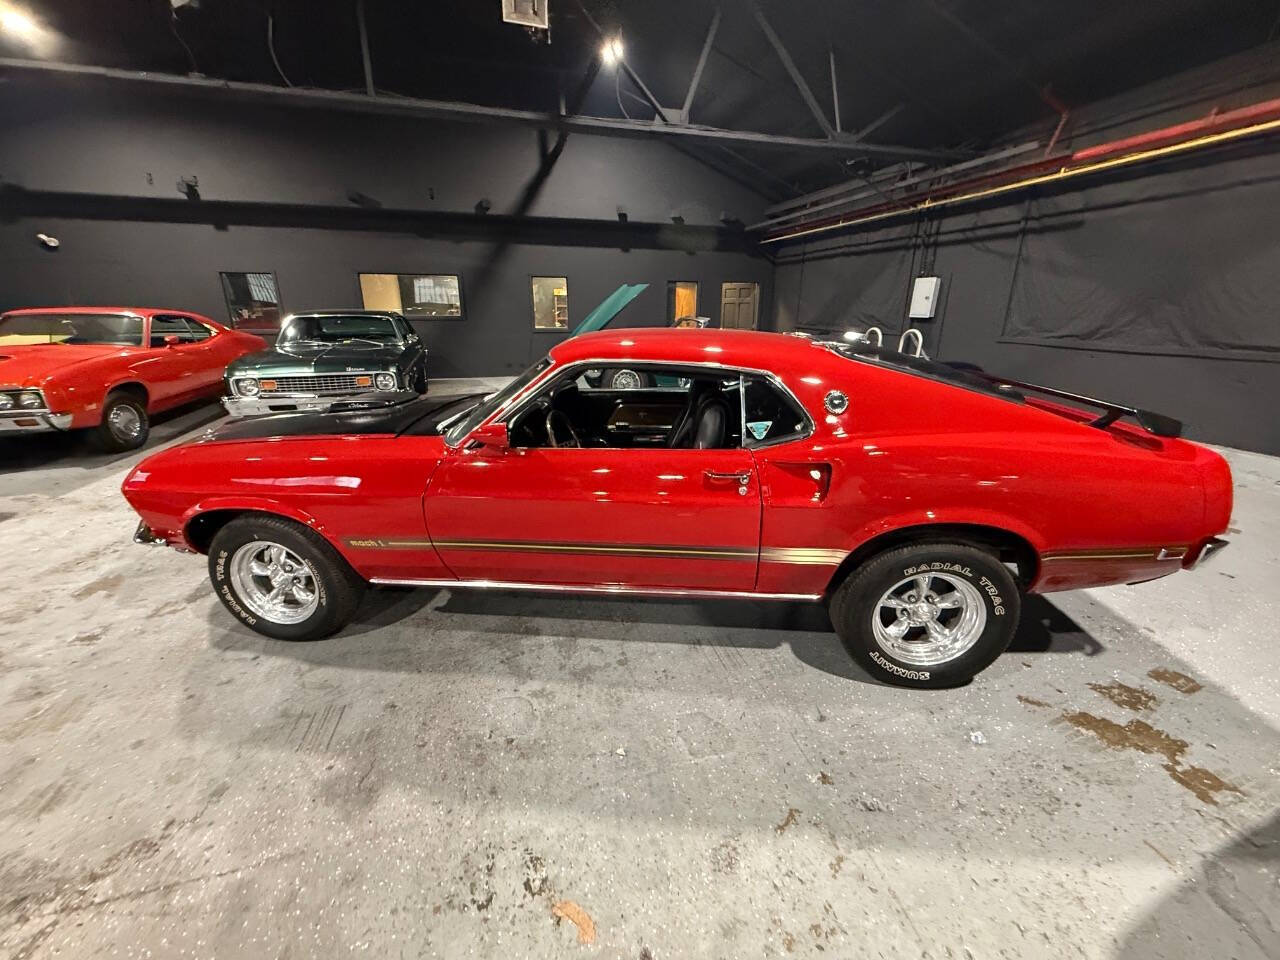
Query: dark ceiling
[(960, 73)]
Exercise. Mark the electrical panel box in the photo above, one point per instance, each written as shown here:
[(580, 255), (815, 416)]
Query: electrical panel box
[(529, 13), (924, 298)]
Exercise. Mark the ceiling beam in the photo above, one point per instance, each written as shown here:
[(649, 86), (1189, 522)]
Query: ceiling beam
[(880, 121), (794, 71), (702, 62), (835, 88), (452, 110)]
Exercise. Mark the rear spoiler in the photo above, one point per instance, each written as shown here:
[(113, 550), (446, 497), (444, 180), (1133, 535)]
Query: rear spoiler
[(1154, 423)]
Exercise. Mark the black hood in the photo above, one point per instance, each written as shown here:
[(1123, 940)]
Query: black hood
[(419, 416), (303, 359)]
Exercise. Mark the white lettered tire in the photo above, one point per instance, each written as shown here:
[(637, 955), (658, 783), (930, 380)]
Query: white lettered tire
[(927, 615), (282, 579)]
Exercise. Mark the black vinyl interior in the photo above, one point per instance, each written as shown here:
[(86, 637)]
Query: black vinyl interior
[(701, 413)]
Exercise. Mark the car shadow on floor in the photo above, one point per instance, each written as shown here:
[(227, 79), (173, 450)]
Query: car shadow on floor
[(805, 627), (1226, 908), (43, 451)]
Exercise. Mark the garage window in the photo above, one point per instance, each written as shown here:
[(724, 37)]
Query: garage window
[(253, 301), (682, 301), (550, 303), (421, 296)]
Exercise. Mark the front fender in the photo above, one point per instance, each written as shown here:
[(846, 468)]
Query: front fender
[(259, 505)]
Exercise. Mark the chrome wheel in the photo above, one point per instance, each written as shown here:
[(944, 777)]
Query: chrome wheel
[(626, 380), (274, 582), (929, 619), (124, 422)]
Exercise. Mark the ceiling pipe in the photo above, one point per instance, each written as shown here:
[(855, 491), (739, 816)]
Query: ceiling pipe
[(889, 173), (871, 188), (1253, 120)]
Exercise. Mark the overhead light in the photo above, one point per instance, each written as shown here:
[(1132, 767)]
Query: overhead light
[(17, 22), (611, 51)]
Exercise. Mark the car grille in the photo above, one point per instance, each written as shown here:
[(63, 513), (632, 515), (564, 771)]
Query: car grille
[(320, 386)]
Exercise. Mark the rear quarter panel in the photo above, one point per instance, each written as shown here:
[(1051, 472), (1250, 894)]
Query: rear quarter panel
[(913, 452)]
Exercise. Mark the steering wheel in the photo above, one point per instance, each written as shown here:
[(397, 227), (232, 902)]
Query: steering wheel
[(551, 429)]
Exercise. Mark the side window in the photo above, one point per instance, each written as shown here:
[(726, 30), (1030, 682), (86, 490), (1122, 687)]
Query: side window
[(198, 330), (644, 407), (771, 414), (169, 326)]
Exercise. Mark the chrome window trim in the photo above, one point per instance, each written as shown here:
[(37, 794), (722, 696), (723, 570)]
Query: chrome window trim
[(521, 400)]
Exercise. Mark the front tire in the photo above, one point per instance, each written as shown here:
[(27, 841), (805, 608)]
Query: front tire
[(125, 424), (282, 579), (927, 615)]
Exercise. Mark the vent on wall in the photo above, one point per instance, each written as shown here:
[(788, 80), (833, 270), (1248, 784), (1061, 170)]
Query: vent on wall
[(529, 13)]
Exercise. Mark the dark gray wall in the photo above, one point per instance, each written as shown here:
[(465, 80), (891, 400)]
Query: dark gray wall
[(1157, 286), (99, 170), (1158, 291), (117, 262), (97, 137)]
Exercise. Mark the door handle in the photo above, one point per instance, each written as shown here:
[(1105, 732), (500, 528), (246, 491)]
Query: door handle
[(742, 477)]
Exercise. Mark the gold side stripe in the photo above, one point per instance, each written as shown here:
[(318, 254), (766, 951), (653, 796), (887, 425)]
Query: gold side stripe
[(817, 556), (731, 553), (1151, 553), (714, 553), (802, 555)]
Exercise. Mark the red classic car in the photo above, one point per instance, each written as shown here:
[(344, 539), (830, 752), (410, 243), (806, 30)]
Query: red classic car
[(108, 368), (920, 500)]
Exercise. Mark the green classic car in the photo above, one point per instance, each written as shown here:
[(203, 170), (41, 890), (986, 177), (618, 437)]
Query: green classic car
[(327, 357)]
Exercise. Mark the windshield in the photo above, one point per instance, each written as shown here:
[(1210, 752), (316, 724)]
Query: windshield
[(492, 403), (107, 328), (338, 329)]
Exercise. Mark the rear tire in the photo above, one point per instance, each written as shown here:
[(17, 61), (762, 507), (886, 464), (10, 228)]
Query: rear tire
[(125, 424), (927, 615), (282, 579)]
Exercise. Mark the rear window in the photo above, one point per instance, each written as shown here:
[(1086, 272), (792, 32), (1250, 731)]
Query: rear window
[(955, 374)]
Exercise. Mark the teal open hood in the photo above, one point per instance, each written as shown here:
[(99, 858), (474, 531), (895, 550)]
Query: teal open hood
[(609, 308)]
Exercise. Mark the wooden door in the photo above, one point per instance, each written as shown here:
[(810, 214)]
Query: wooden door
[(738, 302)]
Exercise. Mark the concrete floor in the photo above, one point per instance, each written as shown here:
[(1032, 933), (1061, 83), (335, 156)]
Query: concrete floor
[(515, 776)]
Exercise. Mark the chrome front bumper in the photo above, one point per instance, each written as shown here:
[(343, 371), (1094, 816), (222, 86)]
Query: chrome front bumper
[(143, 535), (260, 407), (33, 421)]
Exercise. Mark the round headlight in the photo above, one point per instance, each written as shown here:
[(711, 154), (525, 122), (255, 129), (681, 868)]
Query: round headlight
[(247, 387), (6, 401), (30, 400), (384, 381)]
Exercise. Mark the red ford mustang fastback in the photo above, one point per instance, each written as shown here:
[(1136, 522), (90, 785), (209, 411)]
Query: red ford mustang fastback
[(918, 499), (108, 368)]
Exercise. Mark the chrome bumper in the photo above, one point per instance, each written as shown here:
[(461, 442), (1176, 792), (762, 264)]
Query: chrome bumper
[(33, 421), (1208, 552), (258, 407), (146, 537)]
